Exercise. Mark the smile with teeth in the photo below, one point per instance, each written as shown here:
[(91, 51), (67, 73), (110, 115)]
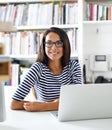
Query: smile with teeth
[(54, 53)]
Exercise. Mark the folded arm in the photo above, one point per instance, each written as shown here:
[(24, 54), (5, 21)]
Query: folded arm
[(34, 106)]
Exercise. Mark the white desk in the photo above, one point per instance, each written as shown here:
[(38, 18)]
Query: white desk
[(22, 120)]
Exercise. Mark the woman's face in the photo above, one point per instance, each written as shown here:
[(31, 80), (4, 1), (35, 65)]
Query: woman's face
[(53, 51)]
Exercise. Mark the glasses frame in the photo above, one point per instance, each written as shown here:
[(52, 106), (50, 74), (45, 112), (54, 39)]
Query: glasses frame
[(56, 44)]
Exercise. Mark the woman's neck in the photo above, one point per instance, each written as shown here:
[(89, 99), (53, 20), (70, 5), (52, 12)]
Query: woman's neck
[(55, 68)]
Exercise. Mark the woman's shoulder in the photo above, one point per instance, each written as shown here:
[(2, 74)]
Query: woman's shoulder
[(37, 65), (73, 61), (74, 64)]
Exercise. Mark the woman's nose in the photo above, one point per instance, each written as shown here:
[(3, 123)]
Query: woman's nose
[(54, 46)]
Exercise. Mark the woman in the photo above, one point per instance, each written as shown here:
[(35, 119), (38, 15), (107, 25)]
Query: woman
[(52, 69)]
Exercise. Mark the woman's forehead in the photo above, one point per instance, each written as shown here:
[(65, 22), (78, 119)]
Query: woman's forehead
[(52, 36)]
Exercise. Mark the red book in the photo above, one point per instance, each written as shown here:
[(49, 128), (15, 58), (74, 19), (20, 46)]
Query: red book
[(91, 12), (109, 12)]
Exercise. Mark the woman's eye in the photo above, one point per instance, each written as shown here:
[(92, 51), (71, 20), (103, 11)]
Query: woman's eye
[(58, 42), (49, 43)]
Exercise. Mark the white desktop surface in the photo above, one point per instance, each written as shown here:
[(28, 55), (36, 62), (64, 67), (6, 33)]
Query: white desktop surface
[(22, 120)]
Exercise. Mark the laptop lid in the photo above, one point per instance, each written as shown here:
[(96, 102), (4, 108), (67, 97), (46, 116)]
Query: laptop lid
[(85, 101)]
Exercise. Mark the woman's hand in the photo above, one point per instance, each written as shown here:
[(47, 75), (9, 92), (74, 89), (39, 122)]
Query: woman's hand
[(41, 106), (34, 106)]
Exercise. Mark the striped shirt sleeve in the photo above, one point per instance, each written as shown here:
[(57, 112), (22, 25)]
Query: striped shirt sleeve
[(76, 72), (28, 82)]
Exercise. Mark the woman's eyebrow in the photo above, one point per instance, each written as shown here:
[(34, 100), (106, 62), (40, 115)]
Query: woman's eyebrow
[(52, 41)]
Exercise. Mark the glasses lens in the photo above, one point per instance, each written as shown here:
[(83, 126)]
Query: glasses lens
[(48, 44), (59, 43)]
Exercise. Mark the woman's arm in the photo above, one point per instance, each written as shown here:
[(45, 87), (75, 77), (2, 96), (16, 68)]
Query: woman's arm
[(41, 106), (35, 106), (17, 105)]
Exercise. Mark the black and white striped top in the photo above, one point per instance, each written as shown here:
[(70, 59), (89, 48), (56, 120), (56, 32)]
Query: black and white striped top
[(46, 84)]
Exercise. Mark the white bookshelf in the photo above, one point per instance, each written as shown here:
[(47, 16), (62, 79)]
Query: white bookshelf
[(98, 22), (96, 40), (43, 27), (23, 1), (24, 57), (5, 60), (37, 28)]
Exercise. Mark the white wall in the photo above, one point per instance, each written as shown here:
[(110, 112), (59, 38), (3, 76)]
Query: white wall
[(97, 40)]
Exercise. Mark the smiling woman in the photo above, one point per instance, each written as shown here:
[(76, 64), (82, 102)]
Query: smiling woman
[(54, 49), (52, 69)]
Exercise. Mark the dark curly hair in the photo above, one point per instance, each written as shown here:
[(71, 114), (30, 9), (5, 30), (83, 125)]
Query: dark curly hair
[(42, 57)]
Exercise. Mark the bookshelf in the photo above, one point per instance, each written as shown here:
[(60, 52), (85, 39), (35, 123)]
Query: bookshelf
[(5, 61), (95, 31), (32, 27), (4, 68), (53, 11), (23, 1)]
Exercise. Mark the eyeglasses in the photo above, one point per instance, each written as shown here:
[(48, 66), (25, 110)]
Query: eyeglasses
[(57, 44)]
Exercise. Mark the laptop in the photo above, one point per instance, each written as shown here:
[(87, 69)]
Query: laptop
[(84, 101)]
